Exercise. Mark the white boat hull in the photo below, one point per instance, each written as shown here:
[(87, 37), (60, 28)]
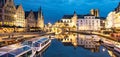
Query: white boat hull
[(38, 49)]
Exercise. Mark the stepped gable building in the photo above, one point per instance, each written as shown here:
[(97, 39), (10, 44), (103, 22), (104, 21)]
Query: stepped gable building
[(7, 12), (113, 18), (34, 18), (20, 16), (30, 18)]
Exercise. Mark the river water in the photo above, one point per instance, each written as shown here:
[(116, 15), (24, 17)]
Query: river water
[(59, 48)]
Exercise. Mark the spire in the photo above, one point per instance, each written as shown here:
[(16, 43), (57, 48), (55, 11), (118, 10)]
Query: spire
[(40, 10), (75, 13), (119, 5)]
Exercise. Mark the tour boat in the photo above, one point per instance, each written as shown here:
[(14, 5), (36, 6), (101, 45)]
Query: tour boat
[(42, 44), (117, 49), (31, 44), (16, 50), (110, 44)]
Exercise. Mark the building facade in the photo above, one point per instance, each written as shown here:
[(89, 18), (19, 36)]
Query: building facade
[(20, 17), (7, 12), (70, 20), (88, 22), (40, 19), (113, 18), (34, 19), (30, 18)]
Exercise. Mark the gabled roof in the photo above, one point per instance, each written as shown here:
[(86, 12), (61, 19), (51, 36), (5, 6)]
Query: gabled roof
[(102, 18), (67, 16), (17, 6), (80, 16), (36, 14), (26, 14)]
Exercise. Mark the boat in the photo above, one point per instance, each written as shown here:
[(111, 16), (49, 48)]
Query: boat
[(117, 49), (42, 44), (108, 43), (16, 50), (31, 44)]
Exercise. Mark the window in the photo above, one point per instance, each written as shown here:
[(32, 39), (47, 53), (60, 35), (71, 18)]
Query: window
[(81, 20)]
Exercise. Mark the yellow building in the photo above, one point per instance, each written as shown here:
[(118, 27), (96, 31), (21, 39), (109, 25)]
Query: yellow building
[(19, 16), (34, 19), (7, 12), (113, 18), (70, 20)]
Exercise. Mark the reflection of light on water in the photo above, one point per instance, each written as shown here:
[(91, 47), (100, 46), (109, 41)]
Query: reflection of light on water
[(103, 49), (111, 53)]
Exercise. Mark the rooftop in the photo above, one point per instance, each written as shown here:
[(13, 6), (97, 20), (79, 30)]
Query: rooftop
[(42, 40)]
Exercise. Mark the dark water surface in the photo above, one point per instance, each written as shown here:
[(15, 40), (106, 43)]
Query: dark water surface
[(57, 49)]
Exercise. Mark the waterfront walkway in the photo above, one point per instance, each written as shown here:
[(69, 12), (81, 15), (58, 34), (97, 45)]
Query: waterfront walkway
[(12, 38), (104, 36)]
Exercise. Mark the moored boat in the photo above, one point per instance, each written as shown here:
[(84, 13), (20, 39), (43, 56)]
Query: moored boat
[(41, 44), (110, 44), (117, 49), (16, 50)]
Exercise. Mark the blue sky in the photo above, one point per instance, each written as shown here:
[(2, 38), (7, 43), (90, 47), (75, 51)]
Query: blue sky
[(54, 9)]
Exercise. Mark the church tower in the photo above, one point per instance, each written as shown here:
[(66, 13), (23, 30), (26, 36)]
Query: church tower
[(40, 21), (94, 12)]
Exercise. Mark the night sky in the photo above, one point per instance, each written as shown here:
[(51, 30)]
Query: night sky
[(54, 9)]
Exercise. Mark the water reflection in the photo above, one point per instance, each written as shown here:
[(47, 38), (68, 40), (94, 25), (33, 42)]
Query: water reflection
[(67, 38), (86, 41), (76, 45)]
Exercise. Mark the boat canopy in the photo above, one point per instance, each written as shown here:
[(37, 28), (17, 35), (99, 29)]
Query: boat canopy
[(19, 51), (42, 40), (13, 50), (37, 43)]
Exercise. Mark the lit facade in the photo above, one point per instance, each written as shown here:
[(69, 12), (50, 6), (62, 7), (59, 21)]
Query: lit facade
[(30, 18), (40, 19), (110, 20), (19, 17), (7, 12), (34, 19), (88, 22), (69, 20), (113, 18)]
